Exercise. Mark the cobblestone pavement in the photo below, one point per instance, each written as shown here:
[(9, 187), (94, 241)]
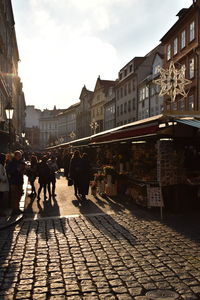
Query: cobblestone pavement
[(118, 256)]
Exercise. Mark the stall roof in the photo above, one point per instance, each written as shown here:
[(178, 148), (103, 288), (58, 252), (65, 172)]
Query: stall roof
[(189, 122)]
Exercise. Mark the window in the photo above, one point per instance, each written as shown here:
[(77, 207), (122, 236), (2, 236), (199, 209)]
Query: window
[(129, 87), (168, 52), (191, 68), (125, 72), (120, 76), (125, 90), (129, 105), (147, 91), (156, 69), (121, 92), (191, 102), (191, 31), (130, 68), (182, 104), (125, 107), (183, 42), (175, 46), (121, 109), (133, 103)]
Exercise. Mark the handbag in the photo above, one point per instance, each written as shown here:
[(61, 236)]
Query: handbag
[(70, 182)]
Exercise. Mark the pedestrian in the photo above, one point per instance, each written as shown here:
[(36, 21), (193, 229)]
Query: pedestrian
[(85, 176), (75, 170), (66, 163), (44, 177), (53, 169), (4, 185), (32, 173), (15, 171)]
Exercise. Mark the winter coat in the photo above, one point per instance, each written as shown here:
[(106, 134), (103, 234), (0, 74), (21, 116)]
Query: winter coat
[(43, 173), (4, 185), (75, 168), (15, 171)]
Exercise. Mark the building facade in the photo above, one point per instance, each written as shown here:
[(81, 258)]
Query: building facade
[(10, 84), (48, 125), (182, 46), (83, 118), (126, 92), (110, 109), (98, 104), (67, 124), (149, 101)]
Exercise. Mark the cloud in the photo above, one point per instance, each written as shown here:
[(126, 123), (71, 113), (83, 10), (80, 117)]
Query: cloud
[(67, 43)]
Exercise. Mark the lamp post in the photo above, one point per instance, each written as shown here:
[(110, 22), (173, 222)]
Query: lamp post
[(94, 125), (9, 115)]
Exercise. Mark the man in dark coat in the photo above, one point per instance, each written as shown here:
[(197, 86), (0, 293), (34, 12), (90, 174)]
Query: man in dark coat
[(75, 171)]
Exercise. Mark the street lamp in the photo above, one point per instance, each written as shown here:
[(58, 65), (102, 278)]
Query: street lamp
[(9, 115), (94, 125)]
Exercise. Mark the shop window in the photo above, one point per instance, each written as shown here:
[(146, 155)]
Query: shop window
[(168, 52), (191, 102), (191, 68), (183, 39), (175, 46), (192, 33)]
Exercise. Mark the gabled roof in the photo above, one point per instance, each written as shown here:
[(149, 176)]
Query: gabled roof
[(182, 14), (105, 84)]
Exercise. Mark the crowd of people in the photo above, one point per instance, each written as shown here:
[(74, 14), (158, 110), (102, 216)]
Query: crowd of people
[(44, 166)]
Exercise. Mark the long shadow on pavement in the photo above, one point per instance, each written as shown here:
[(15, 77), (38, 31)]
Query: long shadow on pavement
[(104, 222)]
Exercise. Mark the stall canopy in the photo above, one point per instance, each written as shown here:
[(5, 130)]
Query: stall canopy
[(189, 122)]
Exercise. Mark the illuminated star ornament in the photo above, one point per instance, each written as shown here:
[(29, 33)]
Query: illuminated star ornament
[(172, 81)]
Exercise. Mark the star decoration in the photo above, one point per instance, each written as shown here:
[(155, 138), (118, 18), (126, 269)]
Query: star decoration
[(172, 81)]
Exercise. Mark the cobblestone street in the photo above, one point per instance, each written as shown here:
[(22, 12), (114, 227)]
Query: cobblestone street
[(116, 256)]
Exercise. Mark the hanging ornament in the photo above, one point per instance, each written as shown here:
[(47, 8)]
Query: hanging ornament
[(172, 81)]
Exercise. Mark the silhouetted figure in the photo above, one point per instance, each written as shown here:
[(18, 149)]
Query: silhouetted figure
[(75, 170), (85, 175), (44, 177)]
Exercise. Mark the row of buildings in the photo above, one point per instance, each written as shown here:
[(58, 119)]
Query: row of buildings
[(133, 95), (11, 88)]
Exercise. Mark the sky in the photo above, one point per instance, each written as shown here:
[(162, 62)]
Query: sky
[(66, 44)]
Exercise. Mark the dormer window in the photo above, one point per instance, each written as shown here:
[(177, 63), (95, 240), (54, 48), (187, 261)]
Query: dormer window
[(183, 41), (175, 46), (168, 52), (192, 35)]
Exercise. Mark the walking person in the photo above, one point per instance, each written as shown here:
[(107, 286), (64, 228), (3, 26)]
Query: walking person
[(75, 170), (15, 172), (32, 174), (44, 177), (85, 176), (4, 185), (53, 169)]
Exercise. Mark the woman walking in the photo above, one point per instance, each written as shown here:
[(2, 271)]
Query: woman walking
[(32, 173), (75, 170), (44, 177)]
